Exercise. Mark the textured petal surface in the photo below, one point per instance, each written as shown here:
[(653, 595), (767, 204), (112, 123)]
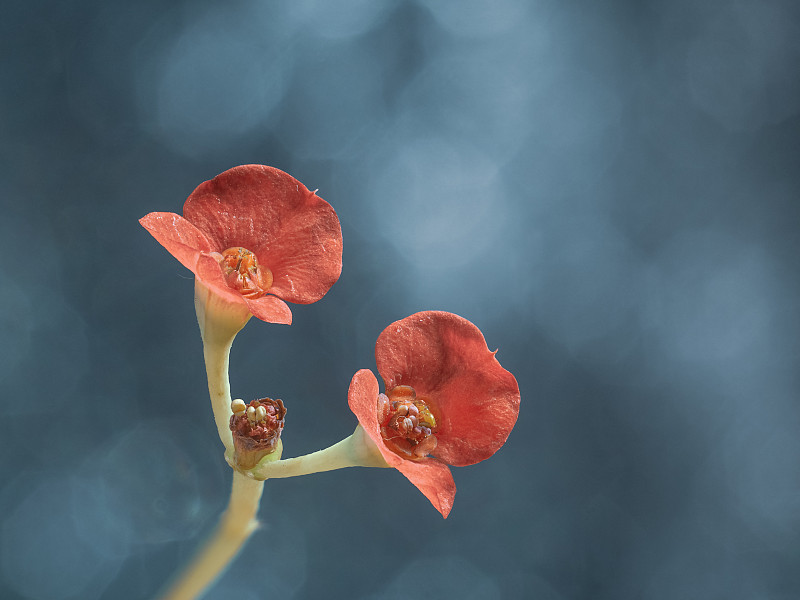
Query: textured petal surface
[(434, 479), (430, 476), (292, 231), (181, 239), (270, 309), (362, 397), (445, 357)]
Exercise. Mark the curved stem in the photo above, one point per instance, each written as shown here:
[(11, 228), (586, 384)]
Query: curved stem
[(358, 450), (217, 357), (220, 321), (238, 522)]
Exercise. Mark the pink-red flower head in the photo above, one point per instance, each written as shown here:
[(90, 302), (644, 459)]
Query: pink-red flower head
[(447, 402), (255, 235)]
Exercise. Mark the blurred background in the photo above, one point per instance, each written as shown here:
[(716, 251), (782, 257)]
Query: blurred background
[(609, 190)]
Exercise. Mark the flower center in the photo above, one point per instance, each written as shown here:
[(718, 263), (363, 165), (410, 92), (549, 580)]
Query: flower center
[(407, 423), (243, 273)]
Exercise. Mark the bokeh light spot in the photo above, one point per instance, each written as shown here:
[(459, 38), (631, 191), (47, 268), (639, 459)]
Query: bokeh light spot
[(215, 83), (43, 554)]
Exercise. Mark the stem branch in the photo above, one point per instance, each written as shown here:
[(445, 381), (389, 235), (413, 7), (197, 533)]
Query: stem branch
[(357, 450)]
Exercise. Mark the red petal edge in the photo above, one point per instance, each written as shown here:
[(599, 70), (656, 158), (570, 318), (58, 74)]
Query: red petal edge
[(181, 239), (445, 357), (429, 475), (292, 231)]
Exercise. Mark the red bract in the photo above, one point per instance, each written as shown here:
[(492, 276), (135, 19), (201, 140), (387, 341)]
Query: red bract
[(446, 395), (255, 235)]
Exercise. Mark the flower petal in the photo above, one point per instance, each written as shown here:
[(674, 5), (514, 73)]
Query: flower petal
[(270, 309), (429, 475), (181, 239), (434, 479), (362, 397), (292, 231), (445, 357)]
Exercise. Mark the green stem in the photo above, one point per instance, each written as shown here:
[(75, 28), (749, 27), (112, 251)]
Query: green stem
[(358, 450), (238, 522), (220, 321), (217, 357)]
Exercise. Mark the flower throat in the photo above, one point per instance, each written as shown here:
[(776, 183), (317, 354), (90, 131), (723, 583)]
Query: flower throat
[(407, 423), (243, 273)]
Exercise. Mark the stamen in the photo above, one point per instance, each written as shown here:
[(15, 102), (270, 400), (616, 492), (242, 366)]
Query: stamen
[(243, 273), (407, 423), (238, 406)]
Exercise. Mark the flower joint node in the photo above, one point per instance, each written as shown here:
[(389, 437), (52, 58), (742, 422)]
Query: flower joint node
[(407, 422), (243, 273), (256, 429)]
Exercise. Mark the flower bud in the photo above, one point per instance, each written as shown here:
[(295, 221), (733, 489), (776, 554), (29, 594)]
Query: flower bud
[(257, 430)]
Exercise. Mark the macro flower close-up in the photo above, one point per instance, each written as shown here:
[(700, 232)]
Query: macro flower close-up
[(605, 191), (447, 401), (256, 237)]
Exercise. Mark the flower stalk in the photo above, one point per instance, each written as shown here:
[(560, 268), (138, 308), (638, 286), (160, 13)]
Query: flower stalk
[(238, 522), (357, 450), (219, 322)]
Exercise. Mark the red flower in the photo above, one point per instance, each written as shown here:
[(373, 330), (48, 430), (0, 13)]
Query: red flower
[(256, 236), (446, 395)]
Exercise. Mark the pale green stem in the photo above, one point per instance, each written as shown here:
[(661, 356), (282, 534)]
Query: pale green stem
[(358, 450), (220, 321), (216, 355), (238, 522)]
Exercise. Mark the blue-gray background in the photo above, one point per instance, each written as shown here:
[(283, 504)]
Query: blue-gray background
[(609, 190)]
